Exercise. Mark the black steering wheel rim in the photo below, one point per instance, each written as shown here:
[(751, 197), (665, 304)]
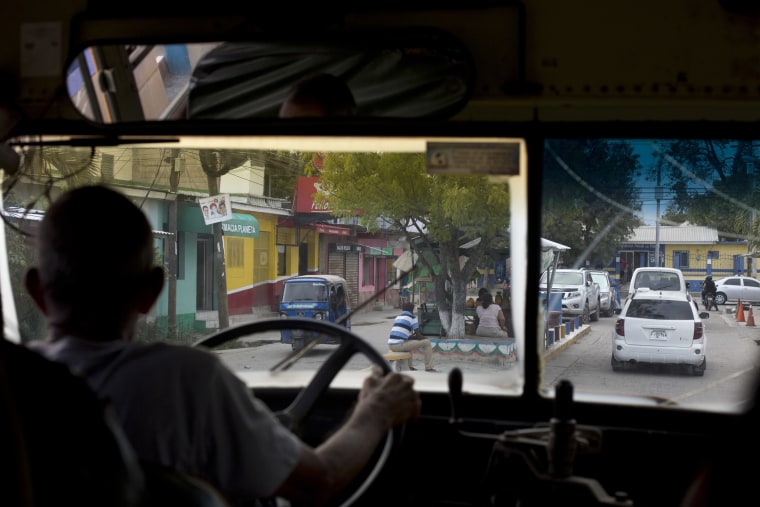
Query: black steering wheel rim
[(293, 415)]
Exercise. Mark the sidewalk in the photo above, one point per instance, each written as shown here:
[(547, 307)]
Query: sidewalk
[(374, 316)]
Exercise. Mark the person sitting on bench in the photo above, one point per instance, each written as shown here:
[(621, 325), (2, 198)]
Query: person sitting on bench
[(405, 336)]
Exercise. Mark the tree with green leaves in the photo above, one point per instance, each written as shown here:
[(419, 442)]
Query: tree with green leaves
[(589, 197), (711, 182), (442, 212)]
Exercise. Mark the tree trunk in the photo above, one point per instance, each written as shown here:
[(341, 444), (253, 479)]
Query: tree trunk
[(452, 312)]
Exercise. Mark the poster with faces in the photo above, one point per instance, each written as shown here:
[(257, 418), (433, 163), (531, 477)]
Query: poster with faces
[(216, 208)]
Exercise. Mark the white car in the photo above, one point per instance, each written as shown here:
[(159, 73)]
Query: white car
[(608, 296), (734, 288), (660, 327)]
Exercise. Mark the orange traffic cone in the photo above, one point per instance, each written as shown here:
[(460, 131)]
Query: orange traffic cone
[(739, 311), (750, 318)]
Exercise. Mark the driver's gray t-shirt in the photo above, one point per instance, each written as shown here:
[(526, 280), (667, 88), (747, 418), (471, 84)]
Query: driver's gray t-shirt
[(182, 407)]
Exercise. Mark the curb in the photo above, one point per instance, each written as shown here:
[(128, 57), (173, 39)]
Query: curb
[(558, 347)]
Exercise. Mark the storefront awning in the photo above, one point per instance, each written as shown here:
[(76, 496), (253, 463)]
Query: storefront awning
[(241, 224)]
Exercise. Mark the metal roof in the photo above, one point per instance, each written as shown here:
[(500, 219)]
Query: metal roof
[(691, 234)]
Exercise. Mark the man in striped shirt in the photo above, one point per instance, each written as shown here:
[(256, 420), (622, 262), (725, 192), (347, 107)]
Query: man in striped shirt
[(406, 337)]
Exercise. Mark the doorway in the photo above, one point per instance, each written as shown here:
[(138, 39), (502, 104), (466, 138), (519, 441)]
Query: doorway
[(204, 289)]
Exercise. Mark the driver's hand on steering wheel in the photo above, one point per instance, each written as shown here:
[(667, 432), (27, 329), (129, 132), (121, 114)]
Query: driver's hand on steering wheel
[(391, 395)]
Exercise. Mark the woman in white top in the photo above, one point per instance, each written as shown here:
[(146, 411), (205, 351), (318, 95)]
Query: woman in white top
[(491, 321)]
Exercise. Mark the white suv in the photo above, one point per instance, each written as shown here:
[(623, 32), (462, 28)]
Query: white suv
[(661, 327), (580, 294)]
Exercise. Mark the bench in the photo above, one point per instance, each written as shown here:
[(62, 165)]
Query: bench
[(395, 357)]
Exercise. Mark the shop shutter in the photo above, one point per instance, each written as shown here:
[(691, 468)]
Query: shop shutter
[(352, 277), (346, 265)]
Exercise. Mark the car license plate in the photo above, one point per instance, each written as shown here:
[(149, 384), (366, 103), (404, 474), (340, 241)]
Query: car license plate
[(658, 334)]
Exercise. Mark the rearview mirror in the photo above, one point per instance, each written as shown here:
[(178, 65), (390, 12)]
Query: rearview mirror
[(419, 73)]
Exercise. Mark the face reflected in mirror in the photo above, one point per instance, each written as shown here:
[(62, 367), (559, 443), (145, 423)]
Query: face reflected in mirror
[(319, 95)]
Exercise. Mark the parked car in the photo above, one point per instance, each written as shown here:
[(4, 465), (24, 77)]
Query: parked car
[(580, 294), (734, 288), (660, 279), (660, 327), (608, 298)]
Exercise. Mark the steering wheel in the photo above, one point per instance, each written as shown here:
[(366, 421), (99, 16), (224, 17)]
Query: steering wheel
[(300, 408)]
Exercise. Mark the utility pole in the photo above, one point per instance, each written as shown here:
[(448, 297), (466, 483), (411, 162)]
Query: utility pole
[(175, 171), (658, 197)]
